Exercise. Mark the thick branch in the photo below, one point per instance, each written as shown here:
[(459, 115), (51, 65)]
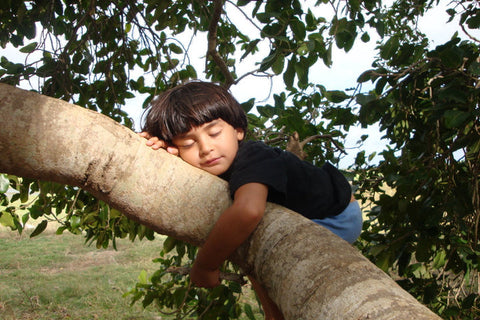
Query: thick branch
[(308, 271)]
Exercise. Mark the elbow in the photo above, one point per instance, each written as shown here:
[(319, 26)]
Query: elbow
[(250, 216)]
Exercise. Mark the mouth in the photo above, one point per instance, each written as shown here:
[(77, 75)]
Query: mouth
[(212, 162)]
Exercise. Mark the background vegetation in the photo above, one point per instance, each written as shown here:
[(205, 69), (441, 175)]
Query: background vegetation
[(424, 231), (60, 277), (45, 277)]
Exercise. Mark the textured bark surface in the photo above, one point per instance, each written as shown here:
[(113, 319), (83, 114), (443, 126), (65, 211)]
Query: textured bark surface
[(308, 271)]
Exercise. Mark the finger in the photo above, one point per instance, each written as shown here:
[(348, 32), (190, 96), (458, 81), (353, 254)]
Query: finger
[(153, 141), (144, 134), (157, 144), (172, 150)]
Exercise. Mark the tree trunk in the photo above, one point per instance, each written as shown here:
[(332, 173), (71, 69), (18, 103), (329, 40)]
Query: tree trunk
[(309, 272)]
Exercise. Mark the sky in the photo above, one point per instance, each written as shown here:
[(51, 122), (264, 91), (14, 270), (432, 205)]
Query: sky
[(341, 75)]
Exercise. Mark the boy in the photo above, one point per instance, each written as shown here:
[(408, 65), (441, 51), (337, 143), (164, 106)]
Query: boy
[(204, 125)]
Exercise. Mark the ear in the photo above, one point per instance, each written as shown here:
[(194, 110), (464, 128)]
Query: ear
[(240, 134)]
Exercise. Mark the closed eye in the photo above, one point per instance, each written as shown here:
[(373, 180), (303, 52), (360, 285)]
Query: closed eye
[(185, 144), (215, 133)]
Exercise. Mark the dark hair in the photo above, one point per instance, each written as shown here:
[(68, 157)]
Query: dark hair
[(189, 105)]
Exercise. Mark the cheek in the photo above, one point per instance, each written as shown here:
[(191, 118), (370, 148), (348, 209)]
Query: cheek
[(188, 156)]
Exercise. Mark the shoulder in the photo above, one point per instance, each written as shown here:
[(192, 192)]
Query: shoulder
[(256, 154), (256, 162), (256, 151), (250, 145)]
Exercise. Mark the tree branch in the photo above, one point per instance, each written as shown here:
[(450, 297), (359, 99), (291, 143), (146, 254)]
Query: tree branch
[(322, 136), (295, 146), (212, 43)]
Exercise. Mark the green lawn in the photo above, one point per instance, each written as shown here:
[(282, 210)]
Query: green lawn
[(59, 277)]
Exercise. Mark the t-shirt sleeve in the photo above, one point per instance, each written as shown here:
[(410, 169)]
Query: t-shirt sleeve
[(259, 163)]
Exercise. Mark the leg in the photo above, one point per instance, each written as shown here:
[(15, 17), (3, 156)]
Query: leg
[(347, 225), (269, 307)]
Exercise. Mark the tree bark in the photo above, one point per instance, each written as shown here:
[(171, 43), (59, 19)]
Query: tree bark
[(309, 272)]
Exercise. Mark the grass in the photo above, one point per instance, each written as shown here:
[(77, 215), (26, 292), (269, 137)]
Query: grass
[(59, 277)]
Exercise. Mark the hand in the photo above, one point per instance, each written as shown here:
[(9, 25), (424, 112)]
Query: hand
[(203, 277), (155, 143)]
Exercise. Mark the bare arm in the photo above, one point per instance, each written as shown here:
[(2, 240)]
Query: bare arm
[(232, 228)]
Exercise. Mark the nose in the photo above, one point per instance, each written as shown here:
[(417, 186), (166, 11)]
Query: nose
[(204, 146)]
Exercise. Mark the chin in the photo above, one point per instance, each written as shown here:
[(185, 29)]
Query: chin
[(216, 172)]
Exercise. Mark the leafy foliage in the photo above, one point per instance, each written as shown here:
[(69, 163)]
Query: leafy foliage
[(172, 291), (424, 203), (428, 227)]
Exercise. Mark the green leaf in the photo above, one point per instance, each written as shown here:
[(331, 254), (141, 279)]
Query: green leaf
[(345, 33), (380, 85), (128, 27), (35, 211), (336, 96), (424, 250), (218, 291), (474, 21), (365, 37), (251, 47), (75, 222), (266, 111), (311, 20), (24, 194), (451, 56), (248, 105), (440, 259), (278, 65), (249, 312), (298, 29), (29, 48), (174, 48), (6, 219), (383, 260), (469, 301), (235, 287), (365, 76), (475, 68), (289, 74), (268, 61), (179, 296), (4, 183), (39, 229), (327, 57), (143, 277), (148, 299), (474, 148), (169, 244), (389, 49), (455, 118), (301, 69), (380, 27), (191, 71)]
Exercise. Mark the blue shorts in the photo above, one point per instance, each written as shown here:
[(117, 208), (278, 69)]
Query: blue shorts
[(347, 225)]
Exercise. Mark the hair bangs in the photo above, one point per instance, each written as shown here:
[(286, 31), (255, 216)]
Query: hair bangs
[(182, 108)]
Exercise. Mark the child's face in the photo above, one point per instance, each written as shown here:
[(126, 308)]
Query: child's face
[(211, 146)]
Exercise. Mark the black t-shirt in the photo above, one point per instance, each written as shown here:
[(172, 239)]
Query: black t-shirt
[(298, 185)]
